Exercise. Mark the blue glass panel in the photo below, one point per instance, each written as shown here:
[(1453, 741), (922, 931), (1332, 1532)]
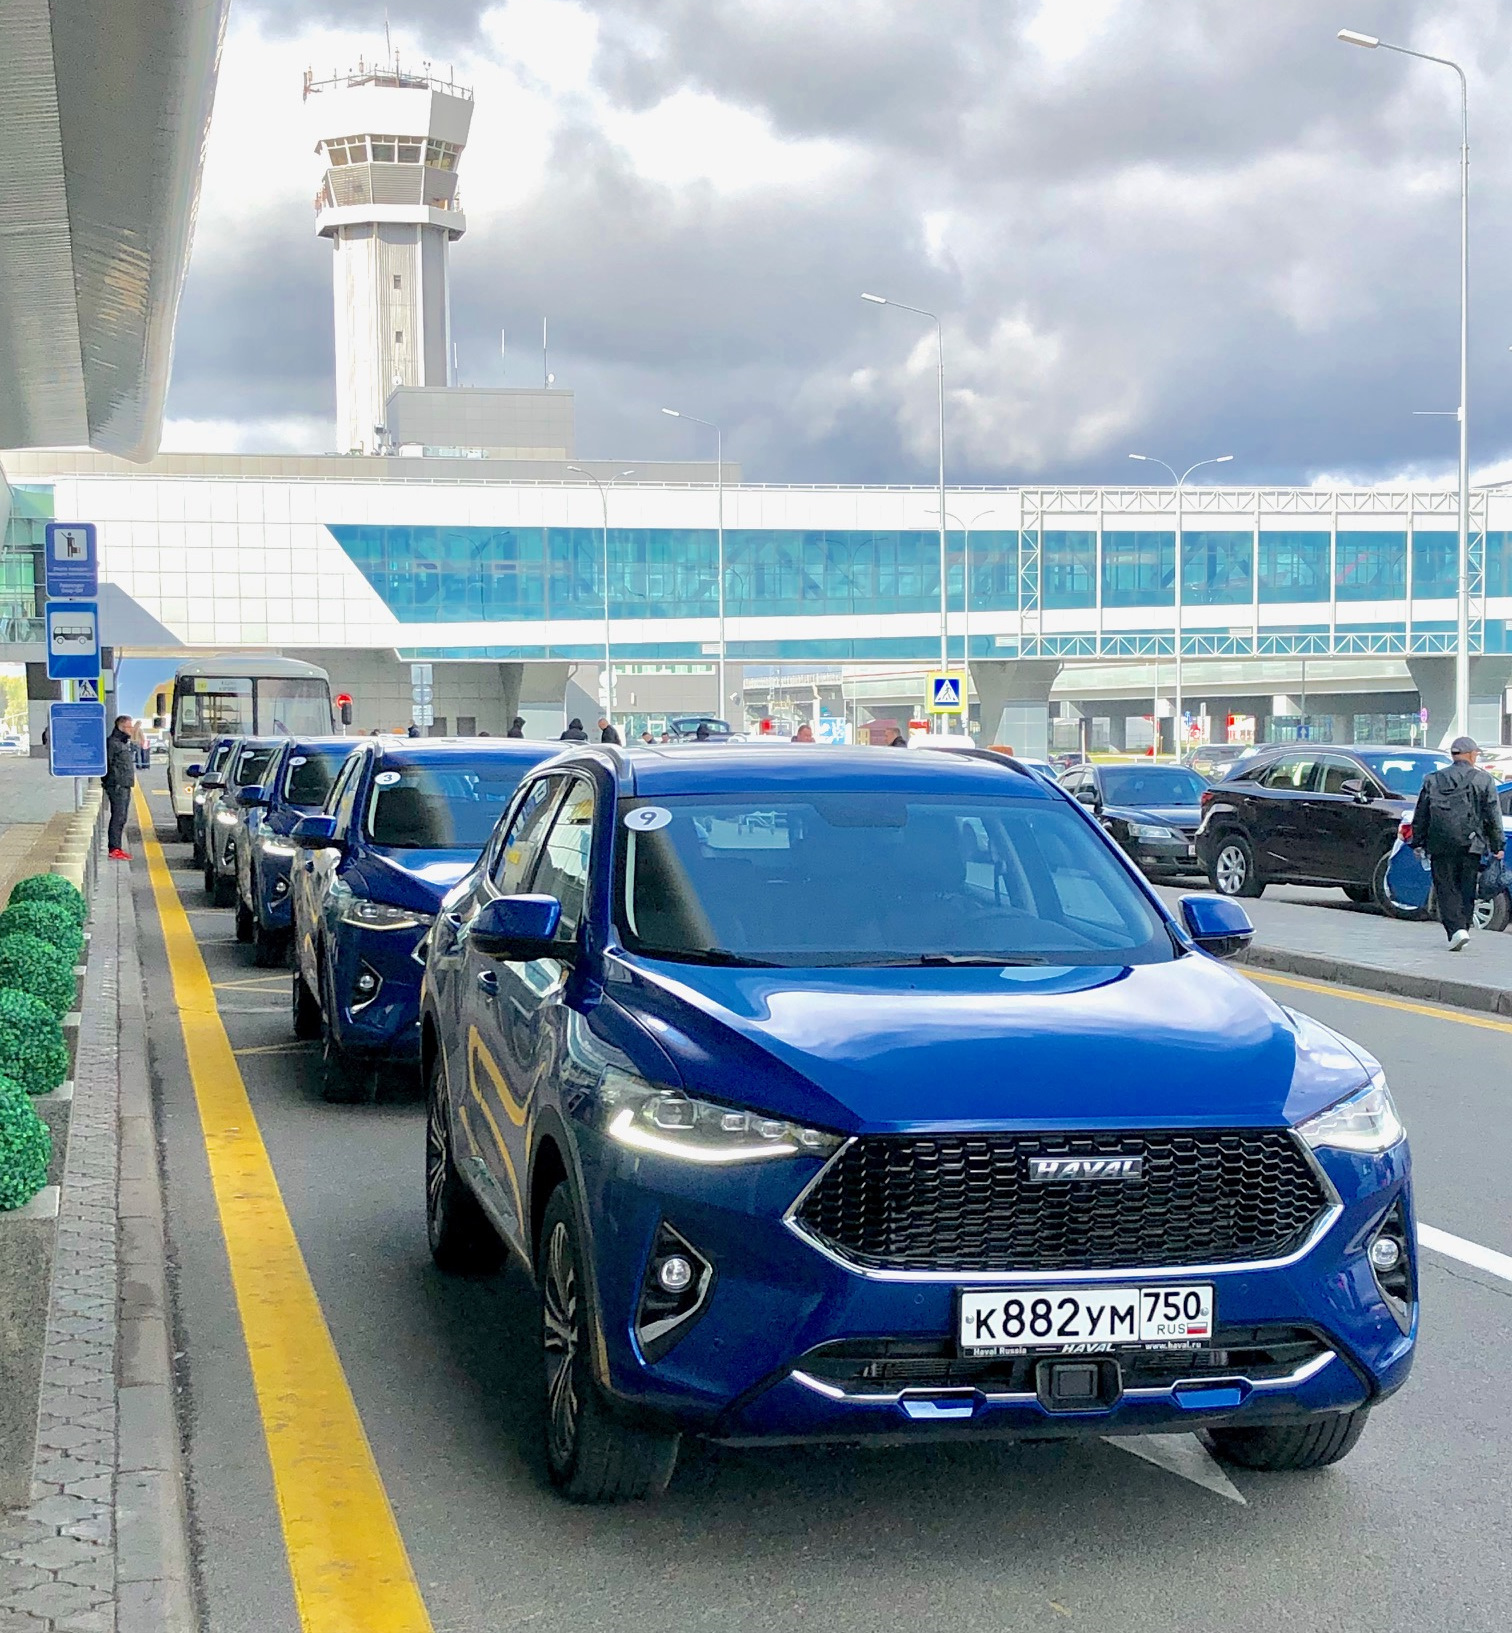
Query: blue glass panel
[(1498, 558), (1068, 570), (1139, 569), (1293, 566), (1435, 564), (1371, 566), (1217, 569), (994, 570)]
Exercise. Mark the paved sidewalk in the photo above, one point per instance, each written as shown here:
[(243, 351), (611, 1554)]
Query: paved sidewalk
[(1318, 933), (102, 1548)]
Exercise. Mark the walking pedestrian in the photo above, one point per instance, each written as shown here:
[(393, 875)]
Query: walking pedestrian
[(117, 783), (609, 732), (1457, 822), (516, 727), (140, 750), (574, 732)]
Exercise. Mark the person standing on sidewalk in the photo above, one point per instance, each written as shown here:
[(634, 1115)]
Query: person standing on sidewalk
[(1457, 822), (119, 778)]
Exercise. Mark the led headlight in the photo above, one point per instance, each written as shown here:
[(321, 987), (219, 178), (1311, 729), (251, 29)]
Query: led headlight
[(227, 819), (673, 1124), (1151, 830), (1365, 1121), (380, 916), (276, 847)]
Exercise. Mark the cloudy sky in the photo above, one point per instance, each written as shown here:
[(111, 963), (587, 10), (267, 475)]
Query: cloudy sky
[(1177, 227)]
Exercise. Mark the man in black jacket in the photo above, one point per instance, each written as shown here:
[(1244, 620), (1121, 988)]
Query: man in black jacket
[(608, 731), (1457, 821), (120, 775)]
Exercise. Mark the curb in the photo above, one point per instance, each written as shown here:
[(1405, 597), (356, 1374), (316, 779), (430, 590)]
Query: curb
[(1431, 989)]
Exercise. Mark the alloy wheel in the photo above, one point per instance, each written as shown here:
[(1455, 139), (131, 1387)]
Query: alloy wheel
[(1231, 869), (437, 1159), (559, 1309)]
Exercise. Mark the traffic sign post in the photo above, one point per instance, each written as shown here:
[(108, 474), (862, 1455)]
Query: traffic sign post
[(76, 739), (71, 561), (947, 694), (73, 640)]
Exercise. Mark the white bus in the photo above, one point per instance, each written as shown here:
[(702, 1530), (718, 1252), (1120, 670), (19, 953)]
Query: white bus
[(243, 696)]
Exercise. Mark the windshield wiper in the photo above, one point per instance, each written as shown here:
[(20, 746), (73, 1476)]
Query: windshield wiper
[(999, 960), (711, 955)]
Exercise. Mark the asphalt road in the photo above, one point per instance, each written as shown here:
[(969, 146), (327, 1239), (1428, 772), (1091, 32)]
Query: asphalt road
[(1409, 1533)]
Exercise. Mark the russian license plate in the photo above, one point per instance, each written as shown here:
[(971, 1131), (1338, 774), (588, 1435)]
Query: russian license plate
[(1016, 1320)]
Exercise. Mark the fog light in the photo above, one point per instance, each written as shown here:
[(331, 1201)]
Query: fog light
[(1385, 1253), (675, 1273), (367, 983)]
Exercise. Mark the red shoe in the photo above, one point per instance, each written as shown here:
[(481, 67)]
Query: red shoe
[(120, 856)]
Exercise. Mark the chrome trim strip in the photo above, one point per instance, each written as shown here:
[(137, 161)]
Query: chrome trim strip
[(1304, 1373), (1007, 1278)]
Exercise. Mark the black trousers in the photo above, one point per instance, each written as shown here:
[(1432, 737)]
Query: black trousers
[(1454, 876), (120, 805)]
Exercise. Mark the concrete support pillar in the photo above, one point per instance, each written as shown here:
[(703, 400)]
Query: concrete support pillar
[(1015, 702), (1434, 679), (540, 691)]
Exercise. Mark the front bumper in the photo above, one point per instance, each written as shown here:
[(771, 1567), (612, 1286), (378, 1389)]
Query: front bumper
[(745, 1368), (275, 902), (1165, 855), (388, 1022)]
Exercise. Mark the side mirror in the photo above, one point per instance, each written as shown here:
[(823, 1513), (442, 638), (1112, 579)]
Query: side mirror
[(252, 794), (194, 771), (212, 783), (1355, 788), (315, 833), (1219, 926), (518, 928), (1088, 795)]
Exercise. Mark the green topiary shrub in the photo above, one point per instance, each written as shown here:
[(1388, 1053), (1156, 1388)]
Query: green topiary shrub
[(32, 965), (47, 920), (25, 1147), (32, 1050), (54, 889)]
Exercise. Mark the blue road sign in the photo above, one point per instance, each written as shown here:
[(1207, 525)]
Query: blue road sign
[(73, 640), (947, 694), (76, 739), (72, 561)]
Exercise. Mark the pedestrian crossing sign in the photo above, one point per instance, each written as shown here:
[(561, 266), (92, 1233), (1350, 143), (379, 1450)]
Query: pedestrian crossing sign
[(947, 694)]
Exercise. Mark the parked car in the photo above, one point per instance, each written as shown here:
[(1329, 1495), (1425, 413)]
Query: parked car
[(684, 728), (1313, 814), (403, 821), (1216, 760), (244, 768), (998, 1149), (1409, 880), (1151, 810), (294, 785), (208, 779)]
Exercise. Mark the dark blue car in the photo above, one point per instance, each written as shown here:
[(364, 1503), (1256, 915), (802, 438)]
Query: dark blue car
[(294, 785), (402, 822), (852, 1095)]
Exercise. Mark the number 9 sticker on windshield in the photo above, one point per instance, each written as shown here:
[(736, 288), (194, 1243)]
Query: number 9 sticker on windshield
[(646, 819), (1080, 1320)]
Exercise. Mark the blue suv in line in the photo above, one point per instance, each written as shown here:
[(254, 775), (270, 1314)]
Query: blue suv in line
[(849, 1095), (294, 785), (402, 822)]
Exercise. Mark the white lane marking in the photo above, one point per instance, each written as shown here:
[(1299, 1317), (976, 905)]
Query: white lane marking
[(1456, 1247), (1184, 1455)]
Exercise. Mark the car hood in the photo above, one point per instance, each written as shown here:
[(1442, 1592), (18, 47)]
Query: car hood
[(413, 878), (1185, 817), (1189, 1042)]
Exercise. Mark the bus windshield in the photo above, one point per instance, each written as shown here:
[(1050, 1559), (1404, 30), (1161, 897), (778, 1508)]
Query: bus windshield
[(293, 708), (206, 706)]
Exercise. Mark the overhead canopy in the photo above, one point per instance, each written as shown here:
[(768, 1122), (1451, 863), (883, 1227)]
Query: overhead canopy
[(103, 117)]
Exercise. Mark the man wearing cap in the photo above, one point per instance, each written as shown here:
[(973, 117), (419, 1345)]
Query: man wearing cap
[(1457, 822)]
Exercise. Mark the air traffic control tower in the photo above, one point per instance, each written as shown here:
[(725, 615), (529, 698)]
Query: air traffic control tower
[(392, 141)]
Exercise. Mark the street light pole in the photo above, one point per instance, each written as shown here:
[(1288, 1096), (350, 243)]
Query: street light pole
[(1462, 610), (603, 492), (719, 483), (966, 528), (1180, 481), (918, 311)]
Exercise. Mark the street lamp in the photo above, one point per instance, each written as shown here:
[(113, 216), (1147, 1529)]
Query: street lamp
[(603, 491), (918, 311), (719, 481), (1462, 612), (966, 528), (1176, 732)]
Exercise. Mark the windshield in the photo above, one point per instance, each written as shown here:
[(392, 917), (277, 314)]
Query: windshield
[(206, 706), (440, 807), (293, 708), (250, 765), (1401, 771), (879, 878), (310, 775), (1151, 785), (217, 758)]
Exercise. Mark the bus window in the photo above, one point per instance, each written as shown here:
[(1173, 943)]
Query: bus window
[(293, 708), (206, 706)]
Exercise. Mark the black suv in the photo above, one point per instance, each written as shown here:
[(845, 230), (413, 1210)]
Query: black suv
[(1311, 814)]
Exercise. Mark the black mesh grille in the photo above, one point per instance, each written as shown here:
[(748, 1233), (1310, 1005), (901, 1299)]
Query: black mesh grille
[(966, 1203)]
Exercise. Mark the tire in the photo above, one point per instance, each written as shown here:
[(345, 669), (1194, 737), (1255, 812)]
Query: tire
[(462, 1242), (1360, 895), (1233, 871), (245, 923), (269, 947), (1494, 914), (199, 849), (1311, 1445), (307, 1021), (185, 829), (591, 1456)]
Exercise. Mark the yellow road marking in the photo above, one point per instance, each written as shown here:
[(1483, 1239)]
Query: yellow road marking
[(1433, 1011), (348, 1562)]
